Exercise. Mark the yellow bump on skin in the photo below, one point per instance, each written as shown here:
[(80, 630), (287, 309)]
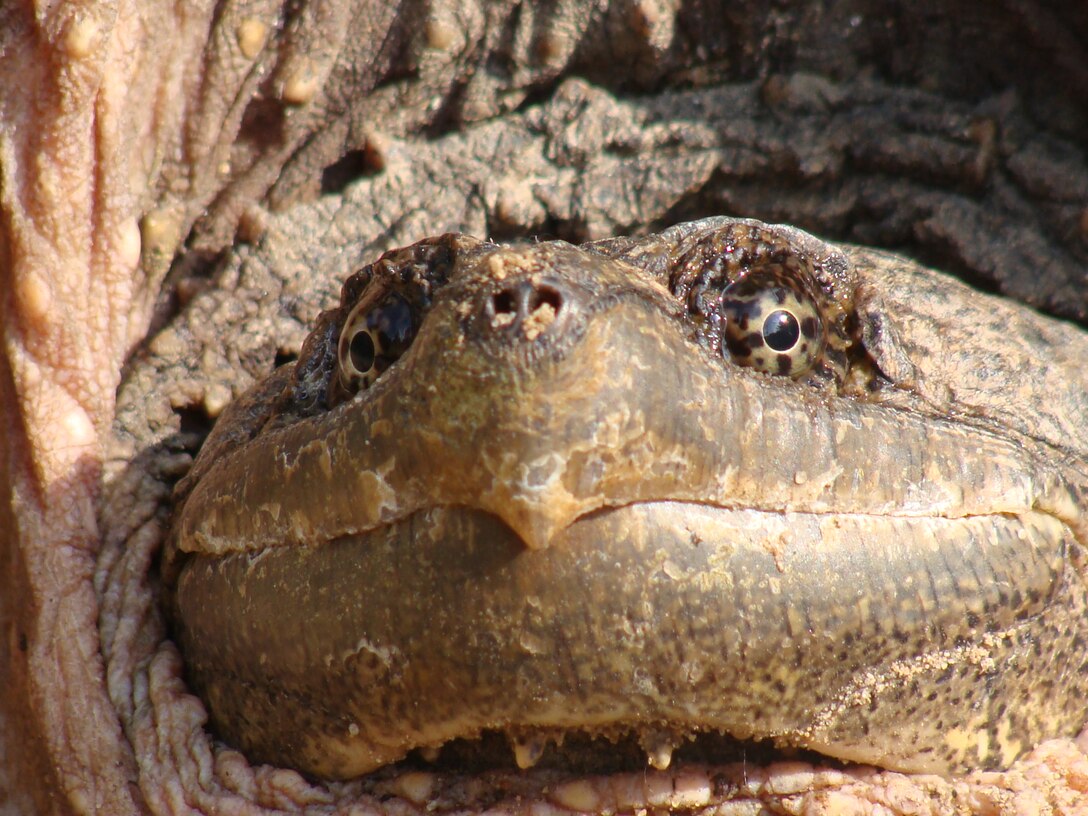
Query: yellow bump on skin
[(35, 299), (216, 398), (81, 801), (252, 224), (439, 35), (70, 431), (82, 37), (187, 289), (301, 84), (130, 244), (672, 570), (535, 646), (416, 786), (375, 151), (78, 432), (158, 231), (251, 35), (579, 795)]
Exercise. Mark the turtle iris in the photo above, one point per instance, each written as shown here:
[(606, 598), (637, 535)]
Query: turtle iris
[(771, 326), (373, 338)]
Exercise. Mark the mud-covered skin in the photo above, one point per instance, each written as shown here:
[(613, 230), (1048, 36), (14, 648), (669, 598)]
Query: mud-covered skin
[(607, 527)]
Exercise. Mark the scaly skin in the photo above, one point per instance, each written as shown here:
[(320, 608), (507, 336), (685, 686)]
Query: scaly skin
[(599, 523)]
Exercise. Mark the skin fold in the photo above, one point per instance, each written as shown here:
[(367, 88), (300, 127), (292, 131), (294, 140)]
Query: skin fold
[(131, 134)]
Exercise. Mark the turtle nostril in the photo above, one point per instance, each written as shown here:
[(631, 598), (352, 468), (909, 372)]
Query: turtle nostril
[(504, 302), (525, 306), (546, 296)]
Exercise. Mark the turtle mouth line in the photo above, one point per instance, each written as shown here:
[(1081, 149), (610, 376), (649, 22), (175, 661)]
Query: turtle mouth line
[(584, 751), (553, 533)]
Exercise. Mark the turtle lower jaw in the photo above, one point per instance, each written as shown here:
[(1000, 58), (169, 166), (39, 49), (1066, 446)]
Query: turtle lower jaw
[(874, 639)]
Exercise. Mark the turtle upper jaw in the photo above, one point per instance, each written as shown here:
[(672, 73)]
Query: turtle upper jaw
[(609, 405)]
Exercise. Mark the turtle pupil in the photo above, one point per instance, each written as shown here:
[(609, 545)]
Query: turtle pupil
[(781, 330), (362, 351)]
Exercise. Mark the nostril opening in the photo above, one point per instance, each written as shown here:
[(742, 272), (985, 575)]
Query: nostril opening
[(525, 305), (504, 303), (546, 295)]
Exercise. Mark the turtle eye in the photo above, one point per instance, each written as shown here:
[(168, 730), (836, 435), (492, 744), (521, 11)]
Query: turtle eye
[(373, 337), (771, 326)]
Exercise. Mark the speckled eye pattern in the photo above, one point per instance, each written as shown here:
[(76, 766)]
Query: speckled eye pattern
[(771, 325), (756, 301), (373, 337)]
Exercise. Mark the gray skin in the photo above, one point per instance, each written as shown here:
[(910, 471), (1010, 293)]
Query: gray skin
[(602, 524)]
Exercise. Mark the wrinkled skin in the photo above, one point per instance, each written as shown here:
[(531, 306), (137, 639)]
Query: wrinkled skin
[(120, 126)]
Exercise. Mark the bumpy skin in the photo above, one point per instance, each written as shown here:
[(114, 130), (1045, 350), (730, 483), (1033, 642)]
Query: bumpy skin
[(599, 523)]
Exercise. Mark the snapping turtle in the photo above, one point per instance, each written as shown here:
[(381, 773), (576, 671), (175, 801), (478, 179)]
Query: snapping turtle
[(727, 478)]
